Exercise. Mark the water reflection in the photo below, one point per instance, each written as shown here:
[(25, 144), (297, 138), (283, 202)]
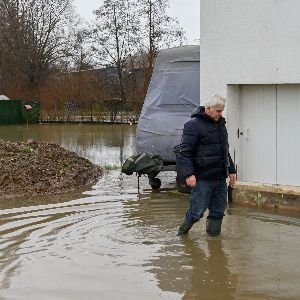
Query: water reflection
[(102, 144), (211, 277), (195, 269), (193, 266)]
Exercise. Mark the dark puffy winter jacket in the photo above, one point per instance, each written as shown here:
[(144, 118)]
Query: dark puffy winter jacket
[(204, 149)]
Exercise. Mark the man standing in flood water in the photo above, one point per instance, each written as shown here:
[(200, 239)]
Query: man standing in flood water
[(206, 164)]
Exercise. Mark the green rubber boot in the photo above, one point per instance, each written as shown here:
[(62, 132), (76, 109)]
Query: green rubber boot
[(213, 227), (184, 227)]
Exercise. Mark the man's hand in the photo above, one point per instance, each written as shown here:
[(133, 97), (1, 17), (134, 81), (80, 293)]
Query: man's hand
[(232, 179), (191, 181)]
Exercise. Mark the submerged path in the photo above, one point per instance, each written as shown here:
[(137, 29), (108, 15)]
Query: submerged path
[(113, 243)]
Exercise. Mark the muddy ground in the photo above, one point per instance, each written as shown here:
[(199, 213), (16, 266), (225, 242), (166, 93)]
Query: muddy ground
[(42, 168)]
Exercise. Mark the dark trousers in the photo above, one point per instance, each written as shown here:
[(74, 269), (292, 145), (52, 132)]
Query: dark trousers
[(208, 194)]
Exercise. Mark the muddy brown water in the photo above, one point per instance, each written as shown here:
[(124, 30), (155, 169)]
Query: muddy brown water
[(115, 242)]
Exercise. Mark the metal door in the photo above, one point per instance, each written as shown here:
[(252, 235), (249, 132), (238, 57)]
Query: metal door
[(257, 133), (288, 134)]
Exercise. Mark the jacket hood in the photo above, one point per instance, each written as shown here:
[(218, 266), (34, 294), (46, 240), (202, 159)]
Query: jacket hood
[(200, 112)]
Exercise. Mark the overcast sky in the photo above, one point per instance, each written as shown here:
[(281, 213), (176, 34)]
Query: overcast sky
[(186, 11)]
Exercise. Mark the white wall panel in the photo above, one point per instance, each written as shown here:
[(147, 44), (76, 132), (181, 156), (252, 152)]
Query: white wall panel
[(258, 133), (288, 134), (248, 42)]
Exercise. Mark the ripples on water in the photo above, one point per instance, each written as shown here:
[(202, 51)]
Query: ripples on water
[(112, 242), (95, 246)]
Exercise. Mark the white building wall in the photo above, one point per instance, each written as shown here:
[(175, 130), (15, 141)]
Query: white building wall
[(252, 42), (248, 42)]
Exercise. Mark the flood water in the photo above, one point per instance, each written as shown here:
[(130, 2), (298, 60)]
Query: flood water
[(115, 242)]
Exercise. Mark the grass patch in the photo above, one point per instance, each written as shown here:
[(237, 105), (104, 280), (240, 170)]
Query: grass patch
[(111, 167), (26, 149)]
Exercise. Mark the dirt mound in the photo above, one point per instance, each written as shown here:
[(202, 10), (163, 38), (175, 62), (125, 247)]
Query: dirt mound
[(42, 168)]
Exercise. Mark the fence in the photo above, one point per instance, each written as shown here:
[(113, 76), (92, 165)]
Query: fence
[(110, 111)]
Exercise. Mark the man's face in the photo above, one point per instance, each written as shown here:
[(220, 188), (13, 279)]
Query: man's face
[(214, 112)]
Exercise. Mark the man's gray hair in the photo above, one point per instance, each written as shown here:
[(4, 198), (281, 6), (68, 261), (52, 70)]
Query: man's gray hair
[(214, 101)]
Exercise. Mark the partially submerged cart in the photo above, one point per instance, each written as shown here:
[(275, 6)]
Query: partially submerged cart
[(173, 93)]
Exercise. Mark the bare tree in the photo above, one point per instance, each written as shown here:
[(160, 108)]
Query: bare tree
[(157, 30), (82, 59), (33, 35), (116, 35), (77, 55)]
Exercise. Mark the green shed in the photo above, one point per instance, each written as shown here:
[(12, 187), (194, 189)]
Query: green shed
[(14, 112)]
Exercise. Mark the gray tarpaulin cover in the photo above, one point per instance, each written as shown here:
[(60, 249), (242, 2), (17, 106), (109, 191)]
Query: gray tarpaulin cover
[(174, 92)]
